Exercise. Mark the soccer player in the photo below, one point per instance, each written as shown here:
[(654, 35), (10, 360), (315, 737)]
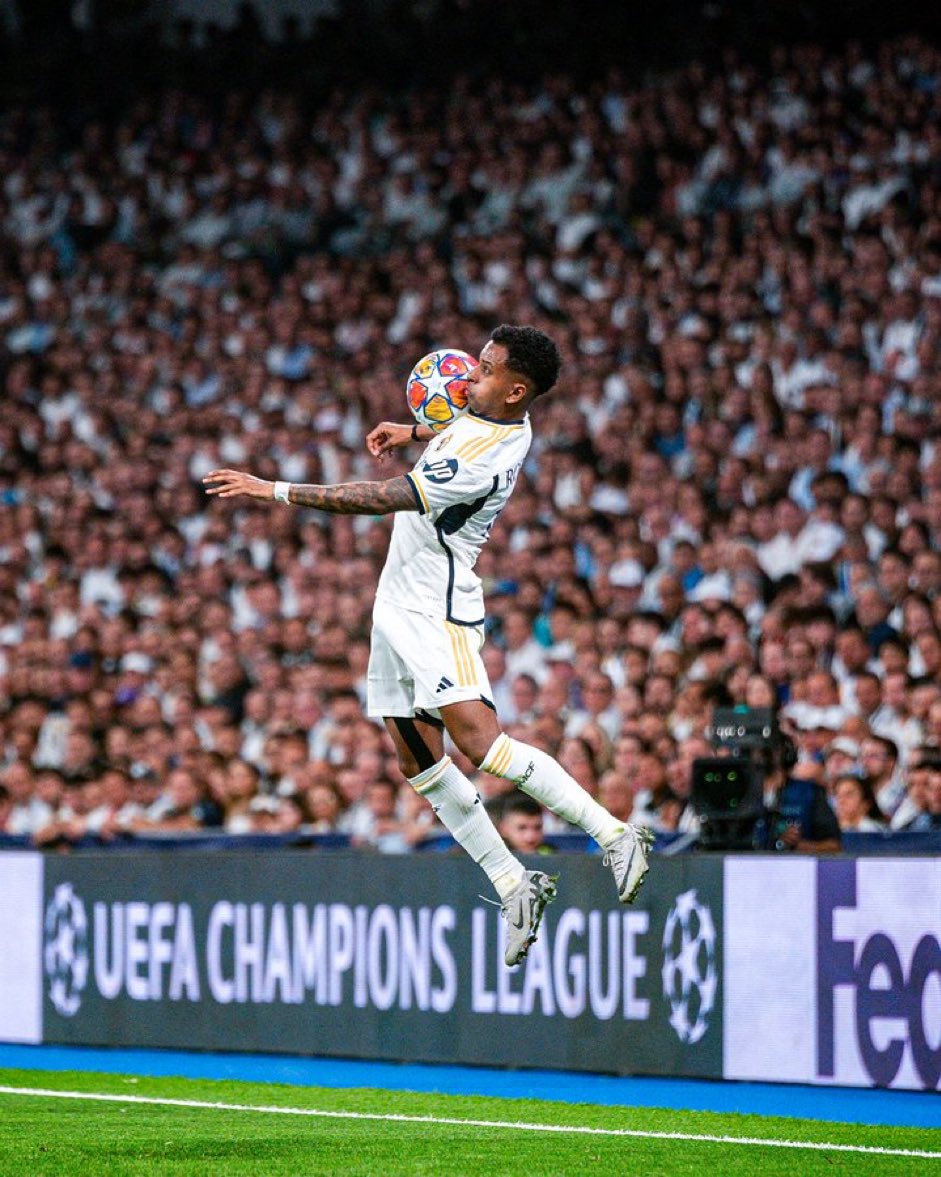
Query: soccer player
[(425, 670)]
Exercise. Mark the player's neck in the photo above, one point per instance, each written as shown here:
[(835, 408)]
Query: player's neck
[(514, 417)]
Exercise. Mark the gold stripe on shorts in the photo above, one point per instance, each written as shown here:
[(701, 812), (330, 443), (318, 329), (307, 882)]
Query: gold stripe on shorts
[(465, 669)]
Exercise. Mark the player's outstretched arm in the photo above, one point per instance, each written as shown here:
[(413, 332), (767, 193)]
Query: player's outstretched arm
[(389, 436), (350, 498)]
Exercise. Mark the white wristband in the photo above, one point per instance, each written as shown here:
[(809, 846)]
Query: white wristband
[(281, 491)]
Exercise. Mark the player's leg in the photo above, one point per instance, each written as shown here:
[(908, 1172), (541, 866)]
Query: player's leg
[(475, 729), (418, 740), (419, 744), (414, 661), (523, 894), (400, 641)]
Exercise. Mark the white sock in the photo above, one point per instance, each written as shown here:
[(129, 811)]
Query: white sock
[(545, 779), (457, 803)]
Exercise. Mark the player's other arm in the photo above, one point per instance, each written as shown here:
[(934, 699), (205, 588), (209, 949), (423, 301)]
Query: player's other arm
[(388, 436), (349, 498)]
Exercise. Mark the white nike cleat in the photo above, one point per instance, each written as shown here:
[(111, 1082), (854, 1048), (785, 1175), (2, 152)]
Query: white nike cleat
[(523, 910), (627, 858)]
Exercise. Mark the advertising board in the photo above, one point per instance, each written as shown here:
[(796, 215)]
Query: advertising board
[(382, 958), (833, 971)]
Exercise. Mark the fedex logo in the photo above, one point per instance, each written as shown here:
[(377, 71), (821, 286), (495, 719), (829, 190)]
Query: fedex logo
[(893, 980)]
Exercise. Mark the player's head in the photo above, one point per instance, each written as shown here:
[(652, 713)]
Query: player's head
[(531, 354)]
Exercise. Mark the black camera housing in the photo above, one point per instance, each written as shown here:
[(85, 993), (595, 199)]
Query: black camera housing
[(728, 789)]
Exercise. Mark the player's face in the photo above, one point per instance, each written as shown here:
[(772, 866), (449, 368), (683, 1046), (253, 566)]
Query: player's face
[(493, 389)]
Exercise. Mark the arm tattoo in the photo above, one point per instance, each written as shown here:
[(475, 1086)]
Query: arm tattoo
[(357, 498)]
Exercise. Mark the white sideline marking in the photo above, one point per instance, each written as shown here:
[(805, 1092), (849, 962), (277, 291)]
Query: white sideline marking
[(520, 1126)]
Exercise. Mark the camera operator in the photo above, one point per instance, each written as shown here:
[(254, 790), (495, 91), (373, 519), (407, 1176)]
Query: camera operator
[(799, 817)]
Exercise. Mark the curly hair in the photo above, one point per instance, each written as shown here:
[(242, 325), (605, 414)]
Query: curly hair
[(531, 353)]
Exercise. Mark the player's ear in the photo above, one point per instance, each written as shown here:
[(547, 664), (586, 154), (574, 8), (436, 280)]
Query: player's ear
[(519, 392)]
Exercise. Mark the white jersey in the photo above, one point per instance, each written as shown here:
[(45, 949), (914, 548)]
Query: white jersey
[(461, 484)]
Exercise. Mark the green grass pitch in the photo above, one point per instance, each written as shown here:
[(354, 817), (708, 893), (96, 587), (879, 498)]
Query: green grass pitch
[(47, 1126)]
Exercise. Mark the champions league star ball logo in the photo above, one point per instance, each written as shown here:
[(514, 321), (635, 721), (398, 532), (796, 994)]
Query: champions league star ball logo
[(66, 949), (689, 966)]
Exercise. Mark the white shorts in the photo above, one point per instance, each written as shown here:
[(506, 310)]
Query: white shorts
[(419, 663)]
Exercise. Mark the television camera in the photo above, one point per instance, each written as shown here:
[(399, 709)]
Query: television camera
[(728, 789)]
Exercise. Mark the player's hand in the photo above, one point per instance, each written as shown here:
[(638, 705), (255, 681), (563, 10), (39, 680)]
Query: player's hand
[(225, 484), (386, 437)]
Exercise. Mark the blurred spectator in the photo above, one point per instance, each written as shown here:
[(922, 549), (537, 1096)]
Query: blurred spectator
[(419, 822), (616, 794), (577, 756), (878, 758), (521, 825), (182, 806), (916, 780), (275, 815), (930, 818), (855, 805), (241, 788), (27, 812), (374, 820), (322, 801)]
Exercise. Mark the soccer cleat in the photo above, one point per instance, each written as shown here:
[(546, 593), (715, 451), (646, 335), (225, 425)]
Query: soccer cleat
[(627, 858), (523, 910)]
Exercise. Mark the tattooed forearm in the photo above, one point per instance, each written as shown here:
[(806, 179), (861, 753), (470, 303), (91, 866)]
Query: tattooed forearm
[(357, 498)]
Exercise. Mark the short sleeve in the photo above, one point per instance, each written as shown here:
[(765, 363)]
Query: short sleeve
[(440, 482)]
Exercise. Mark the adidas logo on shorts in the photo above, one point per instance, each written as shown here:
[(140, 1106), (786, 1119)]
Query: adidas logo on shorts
[(444, 684)]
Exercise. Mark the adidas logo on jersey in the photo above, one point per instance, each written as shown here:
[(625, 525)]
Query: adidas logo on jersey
[(444, 684)]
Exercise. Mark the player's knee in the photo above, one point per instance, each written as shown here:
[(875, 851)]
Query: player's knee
[(475, 743), (473, 727)]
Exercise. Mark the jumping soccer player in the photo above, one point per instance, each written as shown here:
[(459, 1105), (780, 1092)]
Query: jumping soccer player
[(425, 670)]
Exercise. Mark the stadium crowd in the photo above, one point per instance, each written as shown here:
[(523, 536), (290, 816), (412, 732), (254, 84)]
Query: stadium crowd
[(734, 496)]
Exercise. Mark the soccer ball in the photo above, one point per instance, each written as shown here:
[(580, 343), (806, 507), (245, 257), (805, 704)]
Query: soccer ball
[(437, 387)]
